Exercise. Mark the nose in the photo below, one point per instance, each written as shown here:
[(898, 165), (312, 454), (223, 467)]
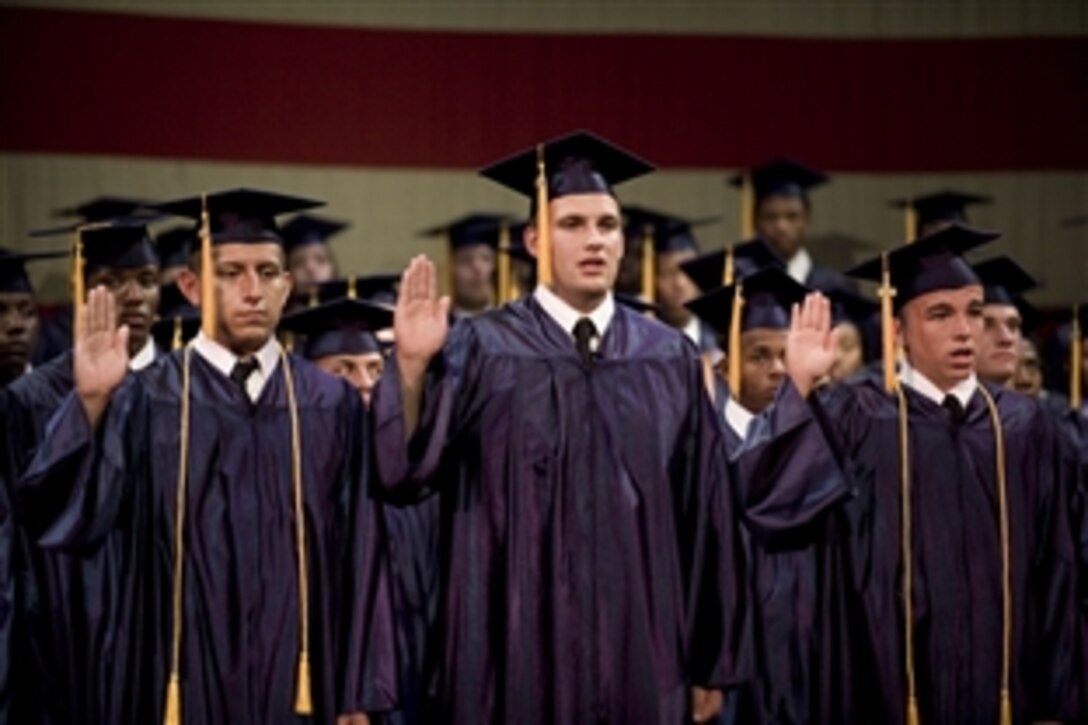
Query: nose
[(251, 286)]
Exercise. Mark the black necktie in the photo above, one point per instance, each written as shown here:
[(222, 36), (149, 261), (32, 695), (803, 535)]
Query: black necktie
[(241, 372), (584, 332), (955, 409)]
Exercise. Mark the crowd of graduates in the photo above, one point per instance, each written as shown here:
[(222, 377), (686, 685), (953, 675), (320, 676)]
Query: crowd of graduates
[(584, 470)]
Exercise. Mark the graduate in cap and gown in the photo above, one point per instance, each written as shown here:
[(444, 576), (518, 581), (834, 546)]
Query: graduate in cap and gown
[(961, 561), (471, 262), (932, 212), (18, 313), (1003, 284), (591, 571), (797, 614), (239, 475), (310, 258), (776, 195), (667, 242)]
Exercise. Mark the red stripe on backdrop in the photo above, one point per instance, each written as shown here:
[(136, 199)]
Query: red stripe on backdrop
[(96, 83)]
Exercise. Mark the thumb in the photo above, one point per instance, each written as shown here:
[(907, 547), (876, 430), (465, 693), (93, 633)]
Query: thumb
[(444, 305)]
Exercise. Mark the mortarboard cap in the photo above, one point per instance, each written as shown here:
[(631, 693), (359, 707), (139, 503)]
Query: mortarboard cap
[(122, 243), (934, 262), (1003, 280), (176, 245), (849, 306), (377, 288), (472, 230), (577, 163), (941, 206), (13, 275), (104, 208), (306, 229), (342, 327), (708, 270), (769, 296), (781, 177), (670, 233), (635, 303), (240, 215)]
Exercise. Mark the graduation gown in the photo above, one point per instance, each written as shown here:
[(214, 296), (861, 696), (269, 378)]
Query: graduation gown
[(589, 572), (241, 598), (799, 618), (956, 550)]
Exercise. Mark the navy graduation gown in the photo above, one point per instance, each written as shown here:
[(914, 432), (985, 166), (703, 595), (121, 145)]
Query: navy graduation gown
[(589, 569), (957, 560), (241, 635)]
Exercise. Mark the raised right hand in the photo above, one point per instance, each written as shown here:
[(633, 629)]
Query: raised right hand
[(421, 319), (101, 352)]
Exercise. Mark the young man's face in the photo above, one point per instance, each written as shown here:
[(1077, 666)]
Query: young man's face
[(136, 291), (587, 245), (361, 371), (939, 332), (673, 288), (251, 287), (783, 221), (849, 355), (311, 264), (1029, 373), (998, 344), (762, 367), (18, 332), (473, 277)]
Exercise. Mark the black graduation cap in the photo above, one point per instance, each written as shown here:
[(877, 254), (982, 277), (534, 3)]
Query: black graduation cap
[(177, 245), (934, 262), (342, 327), (941, 206), (670, 233), (577, 163), (472, 230), (13, 275), (378, 288), (306, 229), (769, 296), (707, 271), (104, 208), (781, 177), (1003, 280), (849, 306), (123, 243), (240, 215), (179, 319), (636, 303)]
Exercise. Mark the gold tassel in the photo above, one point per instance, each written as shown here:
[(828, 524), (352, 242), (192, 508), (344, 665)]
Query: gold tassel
[(543, 225), (649, 283), (747, 208), (912, 712), (1076, 361), (727, 268), (303, 703), (887, 330), (734, 338), (176, 341), (910, 222), (173, 702), (1006, 708), (503, 285), (289, 341), (315, 297), (79, 292), (352, 293), (207, 276)]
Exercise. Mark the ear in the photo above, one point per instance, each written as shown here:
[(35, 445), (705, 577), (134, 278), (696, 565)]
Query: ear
[(529, 238), (900, 337), (189, 284)]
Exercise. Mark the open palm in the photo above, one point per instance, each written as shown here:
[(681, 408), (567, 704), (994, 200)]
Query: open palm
[(101, 352), (421, 318), (810, 345)]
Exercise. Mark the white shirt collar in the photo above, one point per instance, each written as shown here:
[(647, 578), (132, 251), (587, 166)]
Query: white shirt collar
[(567, 317), (800, 266), (922, 385), (693, 331), (223, 360), (738, 417), (144, 357)]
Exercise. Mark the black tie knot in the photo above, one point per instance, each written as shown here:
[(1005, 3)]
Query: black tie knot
[(585, 332), (955, 408), (242, 371)]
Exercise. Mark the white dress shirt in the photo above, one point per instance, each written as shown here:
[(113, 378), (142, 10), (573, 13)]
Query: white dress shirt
[(144, 357), (925, 387), (223, 360), (567, 317), (800, 266), (738, 418)]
